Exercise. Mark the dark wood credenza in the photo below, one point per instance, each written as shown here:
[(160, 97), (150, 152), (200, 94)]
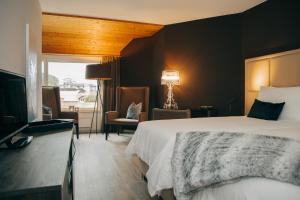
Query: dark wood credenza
[(41, 170)]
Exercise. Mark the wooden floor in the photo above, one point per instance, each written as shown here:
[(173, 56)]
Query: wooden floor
[(103, 171)]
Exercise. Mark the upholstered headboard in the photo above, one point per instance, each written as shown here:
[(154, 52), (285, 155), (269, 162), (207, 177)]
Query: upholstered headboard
[(278, 70)]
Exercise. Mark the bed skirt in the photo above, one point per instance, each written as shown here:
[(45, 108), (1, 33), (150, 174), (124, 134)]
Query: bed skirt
[(167, 194)]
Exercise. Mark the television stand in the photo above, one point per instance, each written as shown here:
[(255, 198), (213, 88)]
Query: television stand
[(41, 171), (18, 143)]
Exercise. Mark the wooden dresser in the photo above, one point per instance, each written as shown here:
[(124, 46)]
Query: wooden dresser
[(41, 170)]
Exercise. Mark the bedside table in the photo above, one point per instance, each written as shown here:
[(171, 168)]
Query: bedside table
[(204, 111), (158, 114)]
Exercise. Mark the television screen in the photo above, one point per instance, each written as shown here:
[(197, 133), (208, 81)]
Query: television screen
[(13, 105)]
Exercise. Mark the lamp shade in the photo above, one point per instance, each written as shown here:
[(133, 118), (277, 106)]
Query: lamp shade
[(170, 76), (98, 71)]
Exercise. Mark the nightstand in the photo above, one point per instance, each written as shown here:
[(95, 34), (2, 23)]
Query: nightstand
[(204, 111), (158, 114)]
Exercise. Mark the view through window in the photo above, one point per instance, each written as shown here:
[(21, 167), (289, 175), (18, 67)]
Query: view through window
[(76, 92)]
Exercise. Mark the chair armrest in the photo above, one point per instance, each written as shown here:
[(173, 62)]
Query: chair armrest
[(110, 115), (143, 116), (69, 115), (47, 117)]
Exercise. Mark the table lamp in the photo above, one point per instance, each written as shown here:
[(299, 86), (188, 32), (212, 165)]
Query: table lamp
[(170, 78), (98, 72)]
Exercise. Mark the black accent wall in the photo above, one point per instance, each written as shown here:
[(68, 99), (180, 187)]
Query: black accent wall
[(271, 27), (207, 53), (210, 53)]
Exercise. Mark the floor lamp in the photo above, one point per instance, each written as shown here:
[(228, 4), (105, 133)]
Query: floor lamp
[(97, 72)]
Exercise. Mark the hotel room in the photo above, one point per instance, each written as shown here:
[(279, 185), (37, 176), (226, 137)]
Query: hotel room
[(149, 100)]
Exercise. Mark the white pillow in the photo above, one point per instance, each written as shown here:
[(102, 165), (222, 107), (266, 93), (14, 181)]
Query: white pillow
[(289, 95), (134, 111)]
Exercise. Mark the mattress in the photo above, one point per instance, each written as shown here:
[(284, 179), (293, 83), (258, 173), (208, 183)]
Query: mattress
[(153, 143)]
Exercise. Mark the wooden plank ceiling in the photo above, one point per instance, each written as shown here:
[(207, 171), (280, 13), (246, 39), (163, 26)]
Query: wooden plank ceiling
[(90, 36)]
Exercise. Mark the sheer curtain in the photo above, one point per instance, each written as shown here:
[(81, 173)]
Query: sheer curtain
[(109, 87)]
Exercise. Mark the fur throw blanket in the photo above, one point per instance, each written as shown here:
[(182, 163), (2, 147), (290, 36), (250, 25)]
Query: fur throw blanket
[(203, 159)]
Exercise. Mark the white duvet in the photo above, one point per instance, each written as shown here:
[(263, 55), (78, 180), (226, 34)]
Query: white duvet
[(153, 142)]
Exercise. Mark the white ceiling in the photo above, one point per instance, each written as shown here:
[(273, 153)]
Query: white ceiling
[(150, 11)]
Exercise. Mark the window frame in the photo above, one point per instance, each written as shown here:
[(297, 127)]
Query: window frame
[(46, 58)]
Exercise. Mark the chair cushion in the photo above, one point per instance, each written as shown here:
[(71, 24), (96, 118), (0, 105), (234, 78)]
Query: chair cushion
[(124, 121)]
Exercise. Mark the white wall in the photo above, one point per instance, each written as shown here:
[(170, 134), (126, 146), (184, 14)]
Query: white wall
[(14, 15)]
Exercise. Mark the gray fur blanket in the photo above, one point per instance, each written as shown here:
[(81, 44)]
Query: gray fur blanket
[(203, 159)]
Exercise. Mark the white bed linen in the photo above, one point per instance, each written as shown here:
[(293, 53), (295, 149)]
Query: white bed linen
[(153, 142)]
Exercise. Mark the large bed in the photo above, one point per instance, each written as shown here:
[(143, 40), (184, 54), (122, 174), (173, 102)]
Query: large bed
[(153, 141)]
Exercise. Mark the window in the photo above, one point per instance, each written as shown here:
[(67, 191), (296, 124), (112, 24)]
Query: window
[(75, 91)]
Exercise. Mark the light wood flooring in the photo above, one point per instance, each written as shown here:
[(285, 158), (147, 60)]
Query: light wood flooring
[(103, 171)]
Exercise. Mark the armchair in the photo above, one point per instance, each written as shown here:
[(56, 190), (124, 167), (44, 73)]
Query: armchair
[(51, 99), (125, 96)]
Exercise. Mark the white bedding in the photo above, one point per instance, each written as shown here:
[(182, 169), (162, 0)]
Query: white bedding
[(153, 142)]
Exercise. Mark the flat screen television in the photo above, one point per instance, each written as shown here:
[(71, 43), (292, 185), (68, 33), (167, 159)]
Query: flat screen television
[(13, 105)]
